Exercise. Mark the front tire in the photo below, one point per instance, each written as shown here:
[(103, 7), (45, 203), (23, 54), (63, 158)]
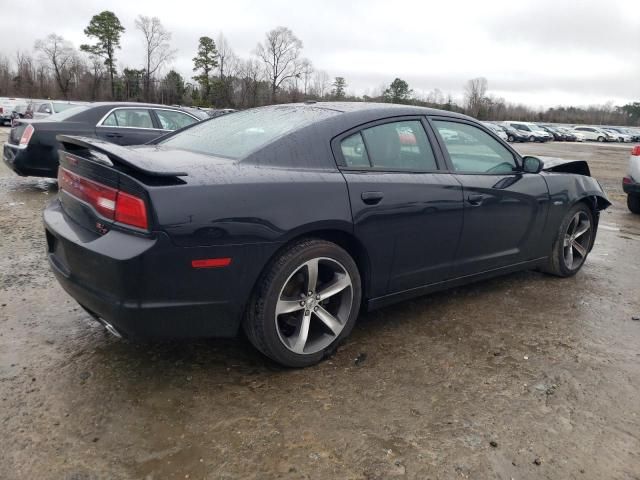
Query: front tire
[(305, 304), (633, 203), (601, 139), (573, 242)]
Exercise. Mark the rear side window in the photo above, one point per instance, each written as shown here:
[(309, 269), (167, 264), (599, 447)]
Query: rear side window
[(354, 151), (174, 120), (110, 121), (390, 146), (474, 151), (131, 118)]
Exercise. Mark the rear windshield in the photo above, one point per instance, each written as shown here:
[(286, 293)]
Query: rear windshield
[(236, 136), (68, 113)]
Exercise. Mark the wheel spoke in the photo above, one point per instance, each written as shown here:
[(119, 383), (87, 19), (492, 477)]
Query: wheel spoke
[(312, 275), (329, 320), (580, 249), (572, 225), (567, 240), (582, 229), (339, 283), (568, 256), (299, 341), (288, 306)]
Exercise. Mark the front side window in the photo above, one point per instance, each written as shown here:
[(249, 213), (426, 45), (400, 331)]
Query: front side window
[(133, 118), (474, 151), (174, 120)]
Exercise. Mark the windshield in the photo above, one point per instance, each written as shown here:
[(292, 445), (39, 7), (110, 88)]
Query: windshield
[(236, 136), (61, 107), (69, 112)]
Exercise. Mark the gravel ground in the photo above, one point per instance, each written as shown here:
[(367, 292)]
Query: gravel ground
[(525, 376)]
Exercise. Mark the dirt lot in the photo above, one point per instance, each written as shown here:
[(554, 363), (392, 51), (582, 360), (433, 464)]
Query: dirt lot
[(548, 369)]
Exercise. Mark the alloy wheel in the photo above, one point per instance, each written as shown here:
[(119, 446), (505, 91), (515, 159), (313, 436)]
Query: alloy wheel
[(314, 305), (577, 239)]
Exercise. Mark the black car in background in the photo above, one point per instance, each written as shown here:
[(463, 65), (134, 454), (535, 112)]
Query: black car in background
[(286, 220), (513, 134), (32, 148), (558, 136)]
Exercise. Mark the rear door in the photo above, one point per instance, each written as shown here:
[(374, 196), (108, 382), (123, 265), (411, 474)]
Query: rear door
[(128, 126), (504, 208), (406, 211)]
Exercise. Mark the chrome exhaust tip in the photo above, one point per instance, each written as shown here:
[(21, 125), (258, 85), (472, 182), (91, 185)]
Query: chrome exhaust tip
[(110, 328)]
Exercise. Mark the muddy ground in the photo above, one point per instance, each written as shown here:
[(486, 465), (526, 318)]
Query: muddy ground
[(548, 369)]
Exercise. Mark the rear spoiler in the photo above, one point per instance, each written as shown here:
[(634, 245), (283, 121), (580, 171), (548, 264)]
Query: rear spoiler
[(118, 154)]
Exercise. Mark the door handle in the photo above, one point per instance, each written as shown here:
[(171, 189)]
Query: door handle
[(475, 199), (114, 135), (372, 198)]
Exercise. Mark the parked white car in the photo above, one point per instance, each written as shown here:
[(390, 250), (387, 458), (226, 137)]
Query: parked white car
[(534, 132), (7, 105), (621, 134), (595, 134), (631, 183)]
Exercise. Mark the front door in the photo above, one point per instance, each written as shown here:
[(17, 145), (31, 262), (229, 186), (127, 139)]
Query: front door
[(406, 211), (504, 208)]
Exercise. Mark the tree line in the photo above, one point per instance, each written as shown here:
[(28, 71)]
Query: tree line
[(276, 72)]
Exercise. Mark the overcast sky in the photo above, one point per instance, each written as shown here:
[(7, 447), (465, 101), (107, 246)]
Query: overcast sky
[(538, 52)]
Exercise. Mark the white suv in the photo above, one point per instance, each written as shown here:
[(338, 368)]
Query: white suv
[(631, 183), (596, 134)]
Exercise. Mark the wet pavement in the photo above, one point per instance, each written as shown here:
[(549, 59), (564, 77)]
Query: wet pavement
[(524, 377)]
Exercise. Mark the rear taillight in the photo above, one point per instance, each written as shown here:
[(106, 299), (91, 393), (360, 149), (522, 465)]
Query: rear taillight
[(626, 181), (636, 151), (111, 203), (26, 135)]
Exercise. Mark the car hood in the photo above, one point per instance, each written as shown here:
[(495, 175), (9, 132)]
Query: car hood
[(560, 165)]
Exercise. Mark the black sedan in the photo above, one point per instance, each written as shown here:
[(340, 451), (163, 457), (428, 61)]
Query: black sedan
[(287, 220), (32, 148), (514, 135)]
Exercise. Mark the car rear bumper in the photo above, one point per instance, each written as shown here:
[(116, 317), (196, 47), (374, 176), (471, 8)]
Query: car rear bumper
[(26, 164), (630, 186), (143, 287)]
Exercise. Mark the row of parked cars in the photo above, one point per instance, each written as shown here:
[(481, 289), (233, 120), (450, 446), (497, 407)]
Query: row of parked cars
[(14, 109), (537, 132)]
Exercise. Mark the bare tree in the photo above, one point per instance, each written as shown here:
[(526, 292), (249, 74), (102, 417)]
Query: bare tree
[(280, 53), (61, 57), (157, 48), (475, 93), (321, 83), (307, 71)]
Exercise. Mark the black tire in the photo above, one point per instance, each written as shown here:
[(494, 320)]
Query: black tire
[(633, 203), (261, 324), (511, 139), (532, 138), (601, 139), (557, 264)]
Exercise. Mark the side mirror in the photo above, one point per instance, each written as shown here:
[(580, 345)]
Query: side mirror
[(531, 165), (47, 110)]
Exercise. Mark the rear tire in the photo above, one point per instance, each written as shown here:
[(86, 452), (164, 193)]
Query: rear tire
[(573, 242), (633, 203), (305, 304)]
